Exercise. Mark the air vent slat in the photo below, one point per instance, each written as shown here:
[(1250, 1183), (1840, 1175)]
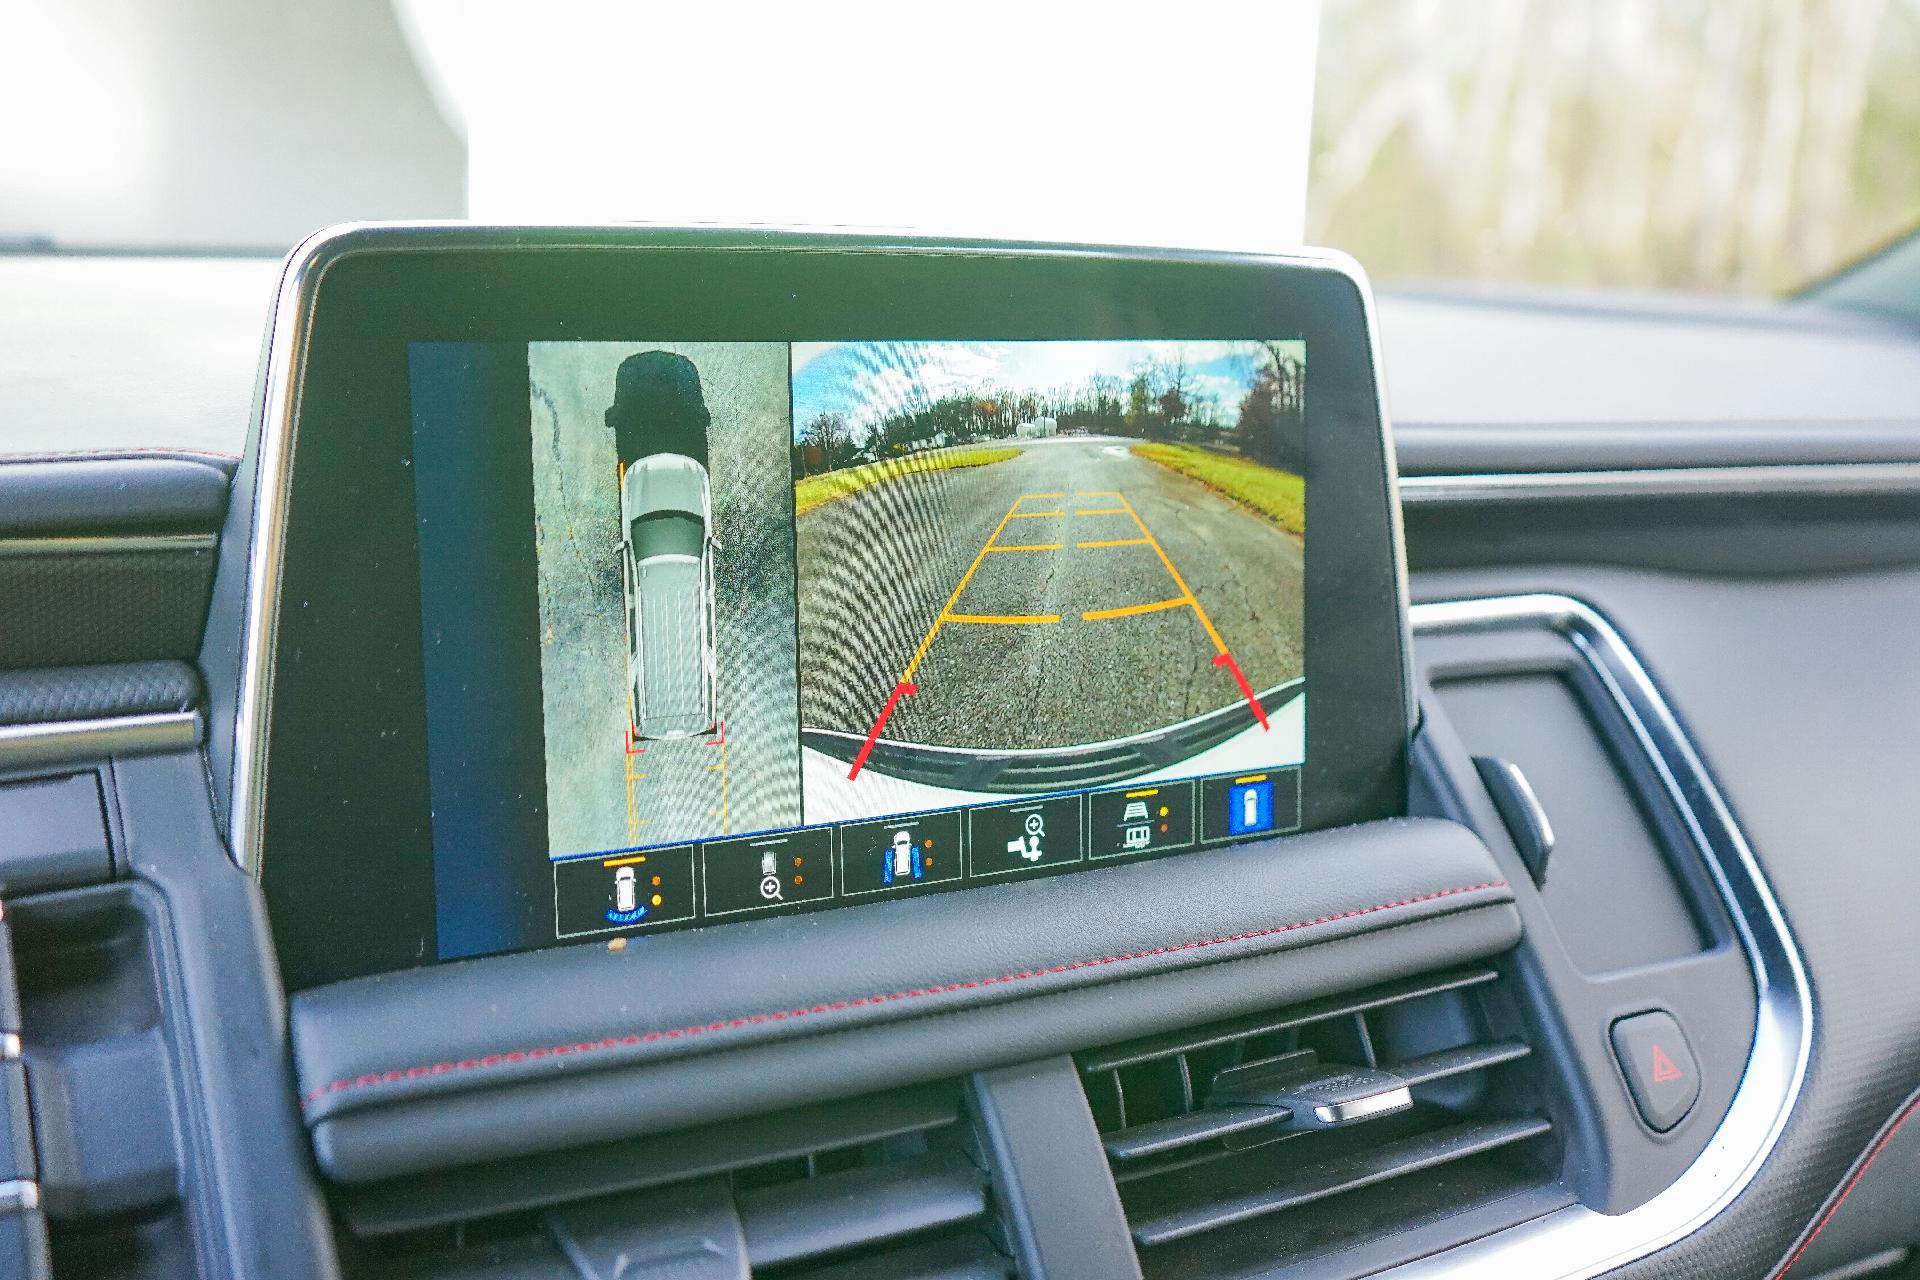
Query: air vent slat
[(948, 1258), (861, 1207), (1407, 1099), (433, 1200), (1160, 1136), (1455, 1062), (1219, 1033), (1349, 1172), (891, 1184)]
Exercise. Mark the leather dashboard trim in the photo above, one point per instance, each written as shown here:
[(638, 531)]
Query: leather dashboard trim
[(488, 1058), (628, 1039), (107, 495)]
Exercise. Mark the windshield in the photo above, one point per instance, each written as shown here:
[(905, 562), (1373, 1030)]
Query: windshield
[(668, 533), (1738, 148)]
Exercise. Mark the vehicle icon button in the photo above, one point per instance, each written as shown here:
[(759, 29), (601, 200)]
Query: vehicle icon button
[(627, 890), (899, 853), (761, 872), (1250, 806)]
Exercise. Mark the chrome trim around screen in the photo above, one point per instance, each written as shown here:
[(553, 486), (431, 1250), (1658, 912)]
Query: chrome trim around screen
[(266, 541), (67, 741), (1835, 479), (106, 544), (289, 335), (1576, 1243)]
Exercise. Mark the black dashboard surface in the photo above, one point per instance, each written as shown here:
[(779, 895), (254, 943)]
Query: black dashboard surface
[(1798, 687)]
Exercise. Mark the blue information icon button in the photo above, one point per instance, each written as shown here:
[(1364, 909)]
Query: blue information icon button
[(1250, 804), (1250, 807)]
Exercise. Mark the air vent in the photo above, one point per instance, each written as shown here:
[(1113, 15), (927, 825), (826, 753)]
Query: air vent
[(1245, 1145), (891, 1185)]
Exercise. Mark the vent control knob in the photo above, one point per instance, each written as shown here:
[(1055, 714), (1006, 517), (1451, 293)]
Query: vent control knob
[(1321, 1095)]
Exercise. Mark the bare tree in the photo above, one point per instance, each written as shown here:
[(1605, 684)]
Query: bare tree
[(1691, 143)]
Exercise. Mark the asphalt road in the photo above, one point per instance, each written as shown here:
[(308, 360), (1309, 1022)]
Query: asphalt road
[(1013, 660), (600, 794)]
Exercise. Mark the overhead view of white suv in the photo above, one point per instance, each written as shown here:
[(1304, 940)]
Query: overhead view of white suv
[(666, 580)]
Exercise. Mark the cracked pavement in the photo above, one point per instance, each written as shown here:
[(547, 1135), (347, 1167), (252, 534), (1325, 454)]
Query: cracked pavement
[(877, 570)]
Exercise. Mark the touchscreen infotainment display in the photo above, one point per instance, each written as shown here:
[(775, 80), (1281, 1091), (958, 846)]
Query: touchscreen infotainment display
[(607, 582), (810, 623)]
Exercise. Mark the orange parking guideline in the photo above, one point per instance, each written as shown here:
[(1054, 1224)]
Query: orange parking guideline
[(926, 641), (905, 685), (1220, 646), (1132, 610), (1004, 619), (725, 811), (1221, 657), (633, 812)]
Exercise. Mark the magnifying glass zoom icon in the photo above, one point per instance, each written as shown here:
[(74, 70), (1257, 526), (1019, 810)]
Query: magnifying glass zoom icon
[(770, 888)]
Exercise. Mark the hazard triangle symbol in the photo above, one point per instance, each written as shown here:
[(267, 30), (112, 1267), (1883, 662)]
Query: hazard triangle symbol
[(1664, 1069)]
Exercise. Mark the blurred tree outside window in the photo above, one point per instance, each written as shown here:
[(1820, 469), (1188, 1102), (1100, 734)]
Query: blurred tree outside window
[(1720, 145)]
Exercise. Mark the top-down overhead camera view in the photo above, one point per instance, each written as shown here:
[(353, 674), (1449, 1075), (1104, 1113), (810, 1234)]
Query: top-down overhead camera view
[(1250, 640)]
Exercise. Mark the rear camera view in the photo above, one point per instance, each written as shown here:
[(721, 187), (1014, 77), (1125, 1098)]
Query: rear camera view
[(1036, 567), (664, 552)]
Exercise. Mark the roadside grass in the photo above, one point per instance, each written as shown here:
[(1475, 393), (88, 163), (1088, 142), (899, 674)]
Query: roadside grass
[(1280, 496), (810, 492)]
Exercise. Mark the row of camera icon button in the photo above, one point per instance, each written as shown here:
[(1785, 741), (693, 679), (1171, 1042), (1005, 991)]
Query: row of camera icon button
[(888, 855), (758, 873)]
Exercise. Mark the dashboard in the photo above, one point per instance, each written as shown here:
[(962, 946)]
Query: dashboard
[(743, 754)]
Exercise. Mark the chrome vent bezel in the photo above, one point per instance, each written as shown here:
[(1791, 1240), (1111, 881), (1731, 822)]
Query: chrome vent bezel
[(1576, 1243)]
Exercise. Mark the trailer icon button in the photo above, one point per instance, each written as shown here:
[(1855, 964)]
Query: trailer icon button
[(1140, 820)]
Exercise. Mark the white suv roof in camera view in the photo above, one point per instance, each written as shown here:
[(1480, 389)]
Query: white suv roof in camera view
[(666, 515)]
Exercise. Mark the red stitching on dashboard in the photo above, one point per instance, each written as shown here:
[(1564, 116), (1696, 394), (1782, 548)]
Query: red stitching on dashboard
[(648, 1037), (1847, 1190)]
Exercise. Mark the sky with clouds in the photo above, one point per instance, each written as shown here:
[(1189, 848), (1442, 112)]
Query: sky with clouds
[(867, 381)]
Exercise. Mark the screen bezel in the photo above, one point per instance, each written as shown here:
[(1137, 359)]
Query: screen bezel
[(336, 703)]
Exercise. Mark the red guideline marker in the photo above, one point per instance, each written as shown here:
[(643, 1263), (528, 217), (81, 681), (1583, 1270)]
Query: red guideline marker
[(1246, 690), (866, 748)]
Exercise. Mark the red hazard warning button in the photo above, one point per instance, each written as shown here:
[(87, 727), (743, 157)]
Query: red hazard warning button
[(1662, 1074)]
